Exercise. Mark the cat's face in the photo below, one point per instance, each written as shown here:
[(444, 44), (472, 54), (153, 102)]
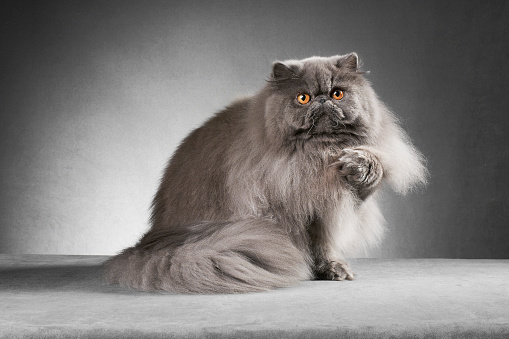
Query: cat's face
[(320, 100)]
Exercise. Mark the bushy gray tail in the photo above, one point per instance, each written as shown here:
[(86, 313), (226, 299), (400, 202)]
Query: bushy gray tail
[(244, 256)]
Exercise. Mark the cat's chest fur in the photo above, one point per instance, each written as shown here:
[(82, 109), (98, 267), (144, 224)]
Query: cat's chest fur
[(295, 186)]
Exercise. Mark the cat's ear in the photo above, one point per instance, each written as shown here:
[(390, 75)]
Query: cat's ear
[(349, 61), (283, 71)]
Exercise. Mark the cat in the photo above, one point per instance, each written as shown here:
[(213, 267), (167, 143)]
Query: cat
[(276, 188)]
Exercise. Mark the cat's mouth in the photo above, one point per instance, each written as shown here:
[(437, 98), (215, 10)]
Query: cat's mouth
[(342, 134), (330, 126)]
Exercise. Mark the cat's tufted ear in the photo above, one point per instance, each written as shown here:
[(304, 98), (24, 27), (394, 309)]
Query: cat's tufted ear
[(349, 61), (283, 71)]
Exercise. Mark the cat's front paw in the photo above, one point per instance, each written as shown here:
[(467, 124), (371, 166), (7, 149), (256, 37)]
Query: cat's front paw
[(361, 169), (334, 270)]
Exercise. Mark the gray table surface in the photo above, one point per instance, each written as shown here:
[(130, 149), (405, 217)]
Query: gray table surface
[(64, 296)]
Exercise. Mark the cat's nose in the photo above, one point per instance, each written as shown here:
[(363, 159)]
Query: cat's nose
[(322, 100)]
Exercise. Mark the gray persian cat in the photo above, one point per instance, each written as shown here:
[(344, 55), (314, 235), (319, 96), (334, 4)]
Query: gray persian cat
[(276, 188)]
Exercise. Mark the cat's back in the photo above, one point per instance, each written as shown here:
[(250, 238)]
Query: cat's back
[(215, 136), (193, 185)]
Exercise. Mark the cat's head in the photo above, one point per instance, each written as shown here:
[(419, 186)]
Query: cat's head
[(320, 100)]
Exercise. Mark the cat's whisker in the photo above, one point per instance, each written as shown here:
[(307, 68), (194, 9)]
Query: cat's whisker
[(309, 130)]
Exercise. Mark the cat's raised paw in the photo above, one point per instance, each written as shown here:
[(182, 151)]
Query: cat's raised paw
[(360, 168), (335, 270)]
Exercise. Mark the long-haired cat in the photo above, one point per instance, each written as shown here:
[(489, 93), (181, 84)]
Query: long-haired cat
[(276, 188)]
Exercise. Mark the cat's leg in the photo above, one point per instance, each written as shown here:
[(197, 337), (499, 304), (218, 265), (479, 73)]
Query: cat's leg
[(328, 264), (346, 226), (361, 169)]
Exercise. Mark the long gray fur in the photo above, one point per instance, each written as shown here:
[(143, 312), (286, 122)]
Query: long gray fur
[(270, 191)]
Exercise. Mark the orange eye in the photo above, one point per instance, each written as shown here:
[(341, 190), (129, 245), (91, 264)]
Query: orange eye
[(338, 94), (303, 98)]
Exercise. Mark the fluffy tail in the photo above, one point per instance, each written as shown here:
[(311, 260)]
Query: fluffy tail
[(244, 256)]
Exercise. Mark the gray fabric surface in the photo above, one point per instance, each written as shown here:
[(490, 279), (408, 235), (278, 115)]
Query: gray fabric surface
[(64, 296)]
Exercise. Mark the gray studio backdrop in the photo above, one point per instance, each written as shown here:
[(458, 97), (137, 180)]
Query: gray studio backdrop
[(96, 95)]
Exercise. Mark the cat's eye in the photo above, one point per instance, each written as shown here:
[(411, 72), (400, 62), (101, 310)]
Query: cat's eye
[(338, 94), (303, 98)]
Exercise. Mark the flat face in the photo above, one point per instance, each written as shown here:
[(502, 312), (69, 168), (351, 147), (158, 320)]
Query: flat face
[(321, 99)]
